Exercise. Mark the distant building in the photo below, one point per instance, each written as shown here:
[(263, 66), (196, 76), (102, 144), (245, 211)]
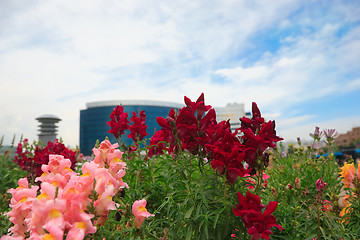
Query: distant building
[(93, 119), (348, 138), (233, 112), (47, 128)]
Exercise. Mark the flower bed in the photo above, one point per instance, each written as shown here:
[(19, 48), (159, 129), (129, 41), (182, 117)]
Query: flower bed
[(194, 179)]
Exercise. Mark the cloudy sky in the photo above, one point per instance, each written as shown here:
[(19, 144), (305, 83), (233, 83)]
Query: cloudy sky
[(298, 59)]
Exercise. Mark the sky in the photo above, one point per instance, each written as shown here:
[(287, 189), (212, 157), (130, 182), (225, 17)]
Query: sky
[(299, 60)]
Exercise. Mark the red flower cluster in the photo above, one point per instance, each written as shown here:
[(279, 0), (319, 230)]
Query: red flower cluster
[(31, 158), (187, 130), (191, 129), (119, 123), (228, 153), (258, 136), (138, 128), (257, 222), (195, 129), (164, 139)]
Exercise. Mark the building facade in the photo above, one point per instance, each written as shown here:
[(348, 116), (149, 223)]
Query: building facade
[(232, 111), (93, 119), (348, 138)]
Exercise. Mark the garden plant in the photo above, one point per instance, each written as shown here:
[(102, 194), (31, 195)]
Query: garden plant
[(193, 179)]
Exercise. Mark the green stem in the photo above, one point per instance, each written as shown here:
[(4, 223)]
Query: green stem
[(150, 168), (259, 178)]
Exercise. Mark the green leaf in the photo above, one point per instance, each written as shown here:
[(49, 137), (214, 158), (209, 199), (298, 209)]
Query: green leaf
[(188, 213), (188, 234), (206, 229)]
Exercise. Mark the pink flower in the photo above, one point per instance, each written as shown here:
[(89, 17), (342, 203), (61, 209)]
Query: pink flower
[(77, 232), (321, 185), (250, 179), (103, 179), (140, 212), (105, 203), (13, 237), (59, 211), (48, 215), (330, 133), (101, 153), (57, 172), (77, 218), (21, 206), (117, 168), (317, 135), (315, 145), (326, 206)]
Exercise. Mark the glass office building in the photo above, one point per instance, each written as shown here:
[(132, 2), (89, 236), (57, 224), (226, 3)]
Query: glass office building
[(93, 120)]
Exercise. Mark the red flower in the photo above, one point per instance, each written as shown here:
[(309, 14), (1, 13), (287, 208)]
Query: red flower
[(257, 222), (227, 153), (192, 123), (198, 107), (258, 136), (32, 161), (191, 127), (195, 129), (255, 122), (118, 122), (138, 128), (164, 136)]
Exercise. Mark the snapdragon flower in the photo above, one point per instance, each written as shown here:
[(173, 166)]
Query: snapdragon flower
[(140, 212)]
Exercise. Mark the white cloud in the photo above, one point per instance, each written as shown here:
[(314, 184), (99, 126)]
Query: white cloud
[(57, 55), (342, 125), (244, 74), (310, 67)]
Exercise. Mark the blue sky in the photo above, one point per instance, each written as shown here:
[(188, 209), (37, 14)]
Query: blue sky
[(299, 60)]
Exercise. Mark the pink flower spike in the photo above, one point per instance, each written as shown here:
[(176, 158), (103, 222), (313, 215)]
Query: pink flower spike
[(140, 212)]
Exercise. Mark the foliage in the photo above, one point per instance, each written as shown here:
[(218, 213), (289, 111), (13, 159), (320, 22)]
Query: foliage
[(187, 201), (304, 211)]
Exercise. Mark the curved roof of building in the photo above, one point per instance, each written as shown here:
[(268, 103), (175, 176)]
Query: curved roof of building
[(48, 116), (133, 103)]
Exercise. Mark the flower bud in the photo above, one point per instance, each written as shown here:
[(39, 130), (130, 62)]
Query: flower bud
[(297, 182), (274, 192), (306, 191)]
